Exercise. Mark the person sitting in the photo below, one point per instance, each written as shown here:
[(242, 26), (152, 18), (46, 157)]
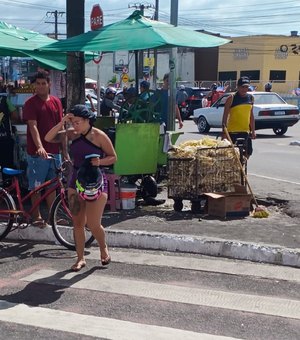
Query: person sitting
[(144, 90), (268, 87), (181, 95), (108, 107), (214, 94)]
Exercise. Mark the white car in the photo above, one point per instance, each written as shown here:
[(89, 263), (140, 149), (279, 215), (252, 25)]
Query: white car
[(269, 109)]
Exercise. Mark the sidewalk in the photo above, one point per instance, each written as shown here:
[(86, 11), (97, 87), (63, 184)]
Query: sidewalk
[(275, 239)]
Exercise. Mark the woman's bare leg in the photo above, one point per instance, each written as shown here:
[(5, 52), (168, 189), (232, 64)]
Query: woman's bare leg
[(94, 212), (78, 211)]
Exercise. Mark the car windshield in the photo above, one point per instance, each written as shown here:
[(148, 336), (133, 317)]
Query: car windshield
[(267, 98), (259, 99), (221, 101)]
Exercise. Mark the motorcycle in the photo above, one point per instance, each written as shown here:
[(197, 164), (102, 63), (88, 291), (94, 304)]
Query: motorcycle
[(184, 110)]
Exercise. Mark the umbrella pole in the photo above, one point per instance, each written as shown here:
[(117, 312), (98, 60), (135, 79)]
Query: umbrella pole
[(98, 89), (136, 54)]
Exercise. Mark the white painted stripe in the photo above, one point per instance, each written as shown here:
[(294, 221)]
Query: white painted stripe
[(196, 296), (224, 266), (274, 179), (92, 325)]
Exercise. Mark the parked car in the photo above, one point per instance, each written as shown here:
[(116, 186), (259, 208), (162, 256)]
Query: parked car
[(269, 109), (195, 96)]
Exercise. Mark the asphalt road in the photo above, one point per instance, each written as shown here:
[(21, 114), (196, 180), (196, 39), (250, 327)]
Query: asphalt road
[(143, 295), (273, 169)]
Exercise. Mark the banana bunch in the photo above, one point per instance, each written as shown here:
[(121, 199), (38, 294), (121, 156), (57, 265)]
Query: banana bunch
[(261, 213)]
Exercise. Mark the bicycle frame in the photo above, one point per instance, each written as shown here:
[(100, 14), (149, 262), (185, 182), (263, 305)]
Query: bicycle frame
[(50, 186)]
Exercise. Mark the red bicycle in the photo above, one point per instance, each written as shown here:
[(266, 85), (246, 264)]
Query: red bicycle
[(13, 215)]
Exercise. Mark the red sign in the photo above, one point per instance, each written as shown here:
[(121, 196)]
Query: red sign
[(96, 17)]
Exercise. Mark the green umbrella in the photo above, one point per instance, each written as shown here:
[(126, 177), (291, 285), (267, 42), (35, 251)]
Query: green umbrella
[(20, 42), (136, 33), (15, 38)]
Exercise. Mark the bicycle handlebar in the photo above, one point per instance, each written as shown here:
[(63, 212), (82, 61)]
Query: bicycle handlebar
[(58, 169)]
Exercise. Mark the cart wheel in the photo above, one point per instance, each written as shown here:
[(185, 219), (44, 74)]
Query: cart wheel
[(196, 207), (178, 205)]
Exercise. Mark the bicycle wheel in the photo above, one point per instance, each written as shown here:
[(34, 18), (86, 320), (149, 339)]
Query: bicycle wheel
[(62, 225), (6, 219)]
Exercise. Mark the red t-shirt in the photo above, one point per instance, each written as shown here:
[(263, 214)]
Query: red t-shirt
[(47, 114)]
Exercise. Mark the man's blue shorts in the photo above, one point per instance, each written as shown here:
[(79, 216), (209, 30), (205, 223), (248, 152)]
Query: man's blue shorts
[(40, 170)]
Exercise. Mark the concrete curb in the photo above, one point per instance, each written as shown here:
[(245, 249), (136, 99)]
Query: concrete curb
[(205, 245), (273, 254)]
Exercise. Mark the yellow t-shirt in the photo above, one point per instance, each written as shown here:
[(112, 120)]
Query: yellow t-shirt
[(239, 113)]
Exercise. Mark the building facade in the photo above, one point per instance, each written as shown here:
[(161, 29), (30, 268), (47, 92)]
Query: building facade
[(263, 58)]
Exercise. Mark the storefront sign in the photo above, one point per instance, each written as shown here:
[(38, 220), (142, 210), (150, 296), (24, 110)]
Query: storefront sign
[(121, 61), (293, 48), (280, 55), (241, 53)]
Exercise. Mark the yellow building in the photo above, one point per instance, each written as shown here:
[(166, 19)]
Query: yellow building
[(263, 58)]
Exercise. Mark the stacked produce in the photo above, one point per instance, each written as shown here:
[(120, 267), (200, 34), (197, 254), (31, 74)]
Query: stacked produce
[(199, 166), (188, 149)]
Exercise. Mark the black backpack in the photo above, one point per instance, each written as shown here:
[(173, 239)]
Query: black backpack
[(5, 123)]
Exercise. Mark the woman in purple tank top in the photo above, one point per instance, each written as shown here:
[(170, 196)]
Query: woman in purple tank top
[(86, 140)]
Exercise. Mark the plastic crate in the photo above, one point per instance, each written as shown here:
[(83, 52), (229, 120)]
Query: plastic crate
[(212, 170)]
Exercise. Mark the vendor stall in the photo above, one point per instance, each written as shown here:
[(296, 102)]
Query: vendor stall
[(196, 168)]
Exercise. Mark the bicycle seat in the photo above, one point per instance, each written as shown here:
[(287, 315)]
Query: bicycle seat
[(12, 172)]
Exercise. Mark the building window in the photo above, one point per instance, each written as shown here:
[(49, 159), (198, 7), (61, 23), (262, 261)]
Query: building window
[(226, 76), (278, 76), (254, 75)]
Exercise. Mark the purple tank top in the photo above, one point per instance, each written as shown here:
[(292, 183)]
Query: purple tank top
[(79, 149)]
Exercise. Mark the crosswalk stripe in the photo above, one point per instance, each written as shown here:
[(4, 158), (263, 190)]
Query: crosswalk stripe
[(196, 296), (223, 266), (94, 326)]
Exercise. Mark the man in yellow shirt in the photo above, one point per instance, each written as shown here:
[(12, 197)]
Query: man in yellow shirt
[(238, 115)]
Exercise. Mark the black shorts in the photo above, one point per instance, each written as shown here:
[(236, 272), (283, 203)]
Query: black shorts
[(248, 141), (7, 155), (7, 152)]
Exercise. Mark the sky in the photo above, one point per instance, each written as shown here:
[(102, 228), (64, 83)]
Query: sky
[(230, 18)]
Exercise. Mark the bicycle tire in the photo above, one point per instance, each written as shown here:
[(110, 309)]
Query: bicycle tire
[(62, 225), (6, 219)]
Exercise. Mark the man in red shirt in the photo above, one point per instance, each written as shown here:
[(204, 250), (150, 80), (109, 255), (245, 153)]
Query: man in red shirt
[(41, 112)]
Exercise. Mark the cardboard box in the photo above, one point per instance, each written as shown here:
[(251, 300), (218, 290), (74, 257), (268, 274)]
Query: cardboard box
[(229, 204)]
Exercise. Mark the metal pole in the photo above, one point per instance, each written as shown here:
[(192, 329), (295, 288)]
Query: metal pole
[(98, 89), (55, 25), (172, 74), (155, 50)]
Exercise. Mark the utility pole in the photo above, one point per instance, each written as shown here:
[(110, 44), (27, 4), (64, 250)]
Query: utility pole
[(75, 68), (155, 50), (55, 14), (172, 74), (140, 59)]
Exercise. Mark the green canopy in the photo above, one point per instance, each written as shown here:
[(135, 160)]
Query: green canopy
[(19, 42), (136, 33)]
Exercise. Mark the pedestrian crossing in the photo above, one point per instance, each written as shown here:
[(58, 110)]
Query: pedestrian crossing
[(202, 297), (142, 280), (94, 326)]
